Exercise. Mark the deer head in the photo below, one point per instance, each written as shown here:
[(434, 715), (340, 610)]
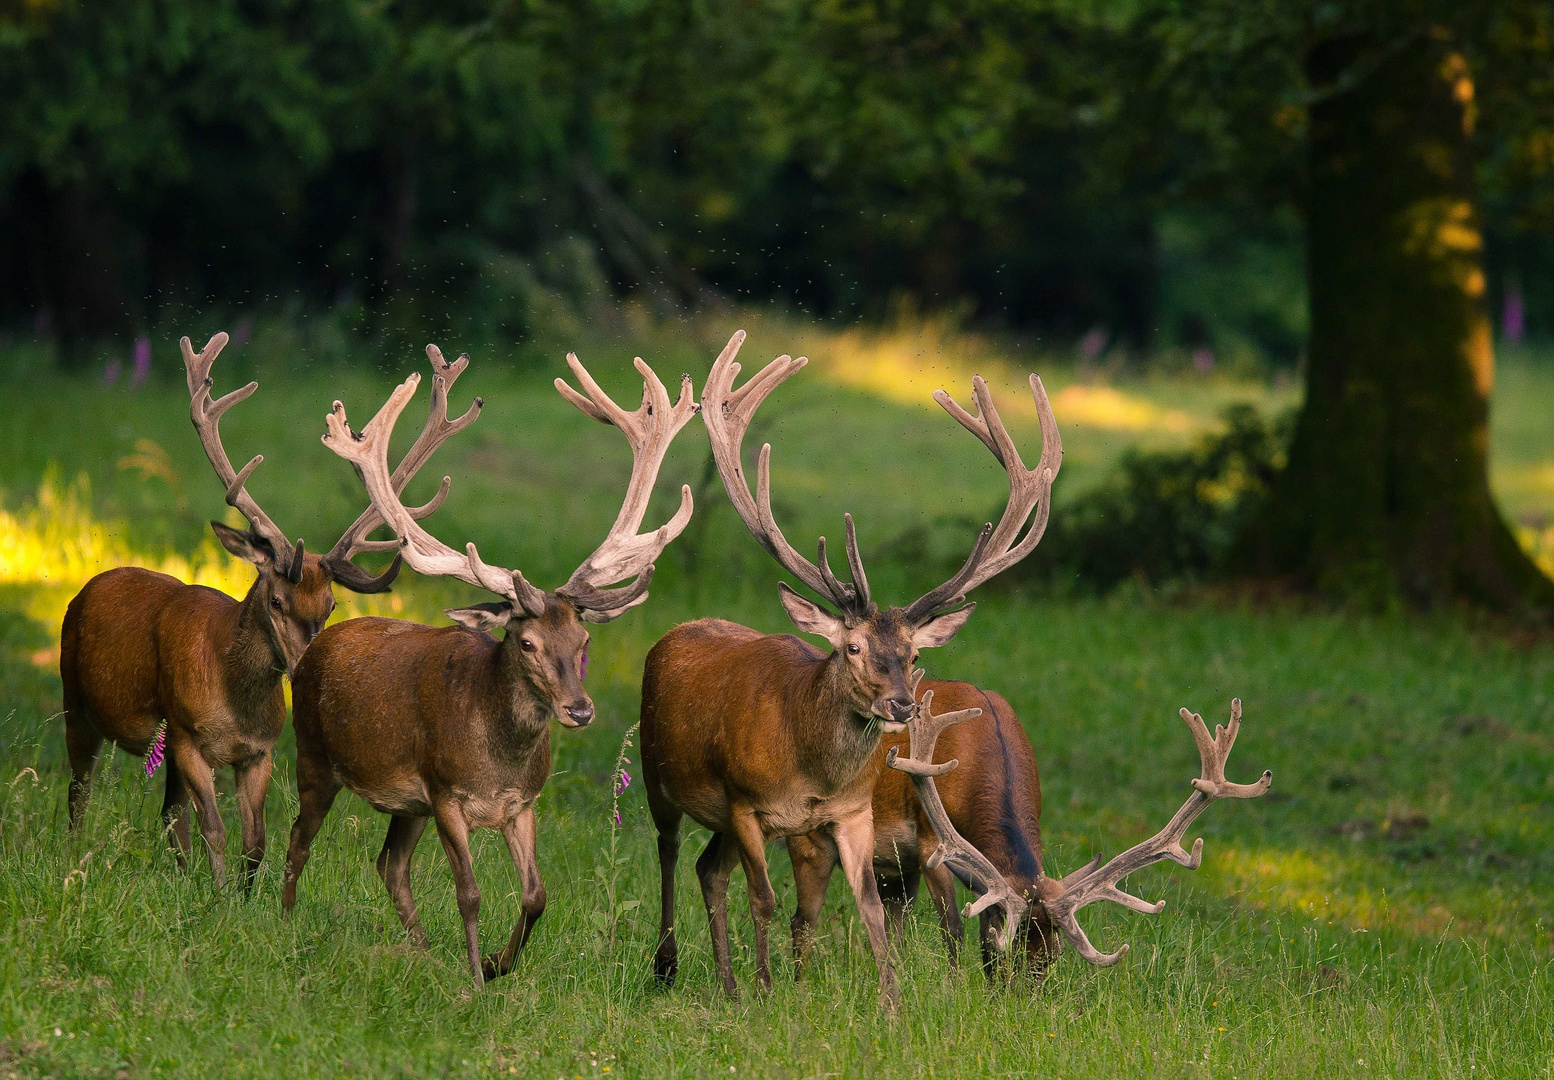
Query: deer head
[(876, 649), (545, 639), (293, 595)]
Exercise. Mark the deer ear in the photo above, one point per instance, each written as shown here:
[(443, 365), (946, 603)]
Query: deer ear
[(481, 617), (941, 628), (812, 618), (244, 544)]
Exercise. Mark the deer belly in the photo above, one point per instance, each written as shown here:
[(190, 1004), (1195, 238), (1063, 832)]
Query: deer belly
[(895, 844), (806, 813), (404, 794)]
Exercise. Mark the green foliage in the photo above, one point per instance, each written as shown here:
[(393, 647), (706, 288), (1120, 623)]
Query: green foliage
[(1167, 515)]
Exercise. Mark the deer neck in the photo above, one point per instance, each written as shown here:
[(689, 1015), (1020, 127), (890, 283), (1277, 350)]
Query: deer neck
[(251, 666), (518, 716), (835, 740)]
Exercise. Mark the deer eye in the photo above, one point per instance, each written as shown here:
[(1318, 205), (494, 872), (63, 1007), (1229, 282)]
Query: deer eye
[(275, 602), (852, 647), (526, 644)]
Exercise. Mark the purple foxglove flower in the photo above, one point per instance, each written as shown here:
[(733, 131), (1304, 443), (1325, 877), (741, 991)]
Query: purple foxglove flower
[(158, 750)]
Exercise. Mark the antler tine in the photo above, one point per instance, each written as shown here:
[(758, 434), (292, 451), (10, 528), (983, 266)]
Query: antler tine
[(966, 861), (727, 413), (1029, 490), (1095, 881), (624, 553), (206, 415), (438, 430), (368, 452)]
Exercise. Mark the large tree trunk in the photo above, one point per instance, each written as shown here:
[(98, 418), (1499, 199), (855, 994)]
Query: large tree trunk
[(1387, 489)]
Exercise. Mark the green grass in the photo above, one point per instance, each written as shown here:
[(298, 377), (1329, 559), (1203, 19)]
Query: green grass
[(1385, 910)]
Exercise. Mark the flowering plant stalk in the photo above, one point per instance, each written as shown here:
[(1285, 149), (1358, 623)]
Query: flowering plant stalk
[(158, 750)]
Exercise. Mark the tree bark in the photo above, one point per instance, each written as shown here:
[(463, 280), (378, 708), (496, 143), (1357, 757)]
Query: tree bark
[(1387, 488)]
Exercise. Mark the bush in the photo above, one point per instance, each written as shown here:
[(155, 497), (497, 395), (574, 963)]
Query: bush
[(1166, 516)]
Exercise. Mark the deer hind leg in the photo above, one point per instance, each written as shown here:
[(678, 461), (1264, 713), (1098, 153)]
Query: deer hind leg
[(814, 858), (941, 889), (855, 846), (404, 833), (713, 868), (196, 774), (316, 791), (175, 814), (897, 891), (763, 901), (666, 958), (453, 831), (83, 742), (253, 784), (520, 835)]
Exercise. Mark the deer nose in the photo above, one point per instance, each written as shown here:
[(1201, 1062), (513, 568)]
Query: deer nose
[(581, 714), (900, 708)]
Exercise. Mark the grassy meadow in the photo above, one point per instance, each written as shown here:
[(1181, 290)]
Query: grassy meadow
[(1387, 909)]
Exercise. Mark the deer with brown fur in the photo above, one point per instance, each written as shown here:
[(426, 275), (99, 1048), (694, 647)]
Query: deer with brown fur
[(994, 801), (759, 736), (1035, 908), (138, 647), (451, 723)]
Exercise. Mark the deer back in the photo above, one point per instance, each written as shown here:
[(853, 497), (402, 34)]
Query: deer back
[(993, 798), (137, 646)]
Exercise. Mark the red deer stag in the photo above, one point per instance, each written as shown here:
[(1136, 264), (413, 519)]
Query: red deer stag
[(758, 736), (1048, 902), (139, 648), (450, 723), (993, 799)]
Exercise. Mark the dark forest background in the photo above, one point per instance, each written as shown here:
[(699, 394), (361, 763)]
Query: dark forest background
[(1360, 191), (1056, 167)]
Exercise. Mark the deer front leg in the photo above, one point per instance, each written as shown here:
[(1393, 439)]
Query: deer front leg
[(855, 846), (197, 776), (814, 858), (454, 834), (253, 784), (520, 835), (713, 869), (763, 901)]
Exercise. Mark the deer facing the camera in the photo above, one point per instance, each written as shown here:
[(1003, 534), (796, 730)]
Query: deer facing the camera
[(758, 736), (451, 723), (138, 648)]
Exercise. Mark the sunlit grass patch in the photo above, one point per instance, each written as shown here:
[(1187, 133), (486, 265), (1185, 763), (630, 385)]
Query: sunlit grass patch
[(1110, 409), (54, 541)]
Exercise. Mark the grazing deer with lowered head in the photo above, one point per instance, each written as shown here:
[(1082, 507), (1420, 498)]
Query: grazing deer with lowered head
[(448, 722), (1037, 906), (139, 648), (758, 736), (993, 800)]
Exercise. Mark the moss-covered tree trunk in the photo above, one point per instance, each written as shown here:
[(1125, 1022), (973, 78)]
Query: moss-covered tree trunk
[(1387, 488)]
